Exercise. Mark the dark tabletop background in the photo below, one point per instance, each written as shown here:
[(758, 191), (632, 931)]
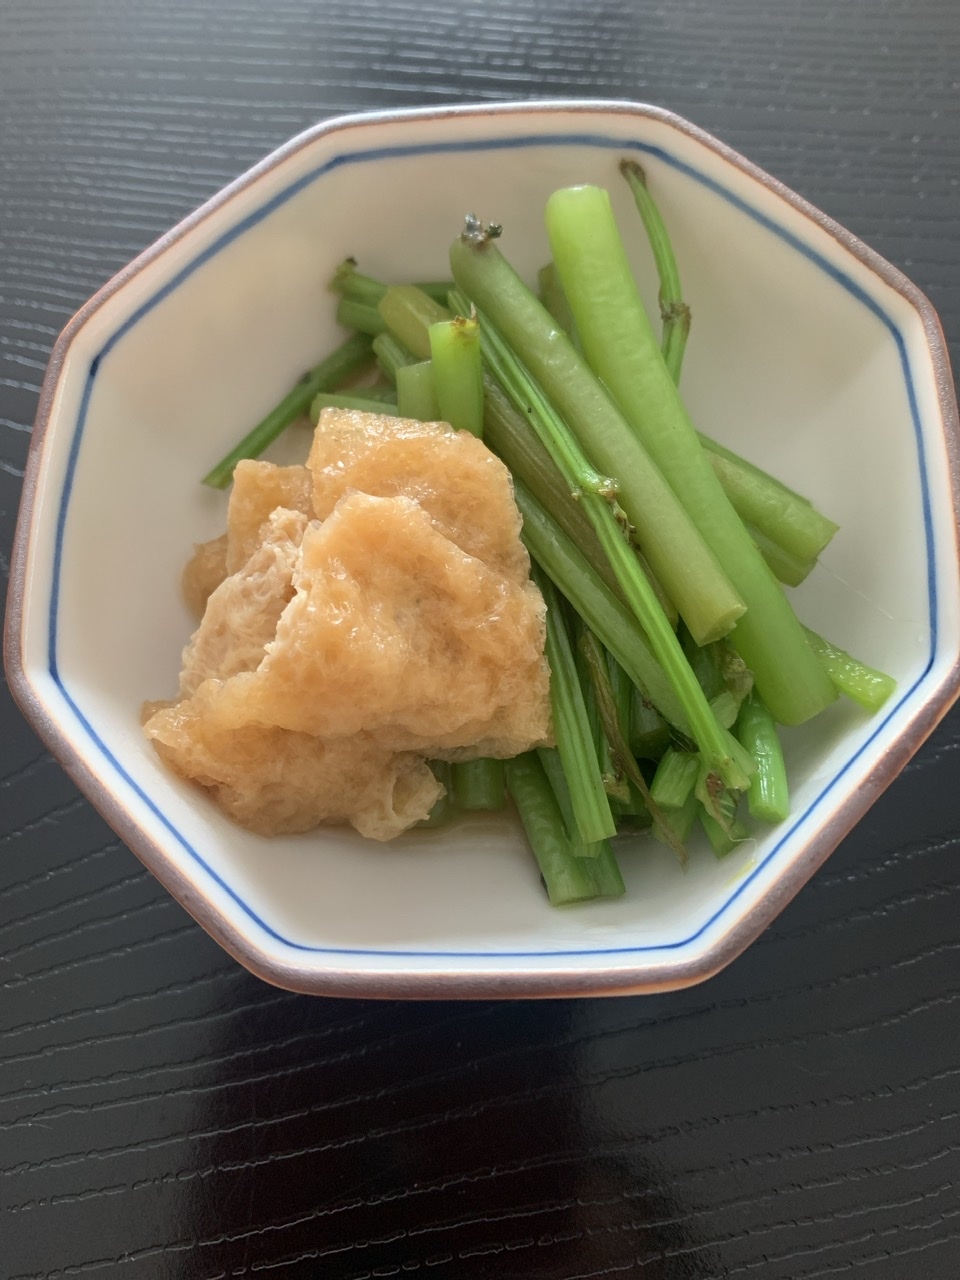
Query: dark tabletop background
[(165, 1114)]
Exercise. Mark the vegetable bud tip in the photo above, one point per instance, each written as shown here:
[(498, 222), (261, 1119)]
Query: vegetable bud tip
[(476, 233), (632, 168)]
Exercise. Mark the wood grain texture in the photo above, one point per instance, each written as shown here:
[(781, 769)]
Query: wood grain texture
[(164, 1114)]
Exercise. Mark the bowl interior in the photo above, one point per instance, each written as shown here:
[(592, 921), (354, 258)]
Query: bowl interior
[(800, 357)]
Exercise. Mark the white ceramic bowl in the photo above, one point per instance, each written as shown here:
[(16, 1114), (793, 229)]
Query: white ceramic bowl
[(809, 354)]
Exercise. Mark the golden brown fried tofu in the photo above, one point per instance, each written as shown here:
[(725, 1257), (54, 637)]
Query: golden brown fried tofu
[(203, 573), (276, 782), (396, 632), (242, 613), (258, 489), (454, 477), (363, 614)]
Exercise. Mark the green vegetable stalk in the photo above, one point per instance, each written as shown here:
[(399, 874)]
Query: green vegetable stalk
[(567, 877), (458, 372), (408, 313), (722, 754), (623, 352), (572, 729), (769, 796), (683, 564), (674, 312), (864, 685), (349, 359), (416, 393)]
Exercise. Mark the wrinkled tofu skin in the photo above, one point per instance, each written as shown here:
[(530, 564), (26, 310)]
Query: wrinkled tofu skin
[(454, 477), (395, 631), (276, 782), (258, 489), (242, 613), (203, 573), (376, 612)]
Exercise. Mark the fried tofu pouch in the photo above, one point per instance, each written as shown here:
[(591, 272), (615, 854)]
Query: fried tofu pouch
[(373, 610)]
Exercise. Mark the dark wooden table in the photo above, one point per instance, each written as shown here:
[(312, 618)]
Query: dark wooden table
[(163, 1113)]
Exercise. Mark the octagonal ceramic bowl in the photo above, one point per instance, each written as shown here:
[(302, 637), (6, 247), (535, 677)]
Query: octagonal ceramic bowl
[(809, 354)]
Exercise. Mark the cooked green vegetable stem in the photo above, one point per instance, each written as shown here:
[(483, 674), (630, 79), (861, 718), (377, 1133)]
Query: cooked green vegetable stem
[(719, 749), (623, 352), (604, 613), (615, 781), (786, 567), (599, 861), (478, 784), (782, 515), (723, 839), (769, 795), (674, 312), (750, 490), (392, 354), (567, 878), (408, 313), (549, 758), (458, 372), (555, 301), (605, 871), (759, 500), (620, 753), (865, 685), (416, 392), (588, 419), (435, 289), (349, 359), (622, 690), (360, 316), (510, 435), (352, 284), (571, 726), (674, 779), (650, 735), (581, 479), (674, 792)]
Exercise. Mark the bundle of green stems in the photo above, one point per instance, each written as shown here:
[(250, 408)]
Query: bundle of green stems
[(660, 554)]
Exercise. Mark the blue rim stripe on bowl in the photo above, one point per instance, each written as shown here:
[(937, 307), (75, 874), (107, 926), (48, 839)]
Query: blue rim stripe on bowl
[(491, 144)]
